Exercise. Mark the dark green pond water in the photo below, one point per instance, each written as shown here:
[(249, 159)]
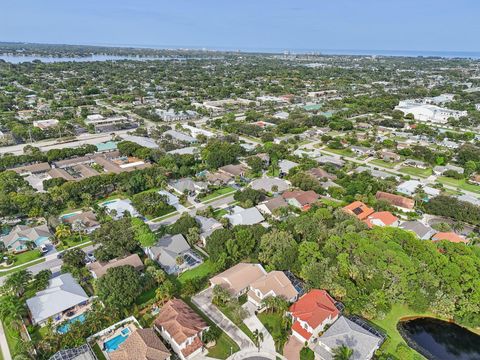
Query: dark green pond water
[(441, 340)]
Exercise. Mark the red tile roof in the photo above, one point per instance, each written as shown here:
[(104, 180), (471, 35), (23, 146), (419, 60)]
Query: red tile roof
[(396, 200), (303, 197), (314, 308), (385, 217), (358, 209), (299, 330), (449, 236)]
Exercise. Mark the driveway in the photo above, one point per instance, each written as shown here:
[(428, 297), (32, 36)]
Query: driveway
[(292, 348), (253, 323), (204, 301)]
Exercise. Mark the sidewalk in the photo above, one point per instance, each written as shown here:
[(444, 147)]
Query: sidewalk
[(253, 323), (4, 344)]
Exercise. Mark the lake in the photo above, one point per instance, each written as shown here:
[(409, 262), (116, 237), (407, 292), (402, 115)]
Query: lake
[(440, 340)]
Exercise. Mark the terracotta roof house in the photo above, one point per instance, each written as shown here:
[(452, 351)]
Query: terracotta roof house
[(301, 199), (398, 201), (234, 170), (181, 327), (345, 332), (238, 278), (382, 218), (98, 268), (319, 174), (275, 283), (142, 344), (311, 313), (449, 236), (84, 221), (19, 238), (359, 210)]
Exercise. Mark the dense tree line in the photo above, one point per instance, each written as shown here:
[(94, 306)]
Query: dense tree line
[(451, 207)]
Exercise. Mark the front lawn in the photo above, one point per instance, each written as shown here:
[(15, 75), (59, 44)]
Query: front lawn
[(227, 311), (25, 257), (218, 192), (342, 152), (383, 163), (273, 322), (416, 171), (459, 184)]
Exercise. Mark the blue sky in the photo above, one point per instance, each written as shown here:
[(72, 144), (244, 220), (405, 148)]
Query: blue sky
[(419, 25)]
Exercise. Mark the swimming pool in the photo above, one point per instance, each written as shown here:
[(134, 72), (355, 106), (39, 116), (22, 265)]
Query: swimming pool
[(66, 216), (62, 329), (113, 343)]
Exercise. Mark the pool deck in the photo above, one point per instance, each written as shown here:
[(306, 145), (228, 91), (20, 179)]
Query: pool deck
[(112, 334)]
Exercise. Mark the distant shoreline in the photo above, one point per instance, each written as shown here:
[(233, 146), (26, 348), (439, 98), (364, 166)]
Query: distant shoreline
[(278, 51)]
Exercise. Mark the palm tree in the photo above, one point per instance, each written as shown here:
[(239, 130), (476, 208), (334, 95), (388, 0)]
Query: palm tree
[(257, 338), (342, 353), (17, 282), (62, 231), (11, 308)]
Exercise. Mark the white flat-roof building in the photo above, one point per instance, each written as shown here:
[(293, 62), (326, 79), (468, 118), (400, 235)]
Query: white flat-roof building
[(427, 112), (45, 124), (197, 131), (172, 115)]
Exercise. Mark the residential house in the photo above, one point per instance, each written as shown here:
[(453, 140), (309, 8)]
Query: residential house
[(381, 218), (345, 332), (415, 163), (38, 168), (181, 327), (238, 278), (85, 221), (241, 216), (267, 184), (311, 313), (410, 187), (286, 165), (45, 124), (220, 178), (389, 156), (173, 254), (188, 186), (179, 136), (470, 199), (449, 236), (320, 174), (118, 207), (269, 206), (100, 268), (234, 170), (422, 231), (301, 199), (359, 210), (275, 283), (207, 227), (62, 295), (439, 170), (22, 238), (142, 344), (398, 201), (332, 160), (375, 173), (361, 150)]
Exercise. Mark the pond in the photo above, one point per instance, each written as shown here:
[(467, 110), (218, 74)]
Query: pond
[(440, 340)]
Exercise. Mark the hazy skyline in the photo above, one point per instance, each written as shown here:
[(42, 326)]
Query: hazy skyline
[(427, 25)]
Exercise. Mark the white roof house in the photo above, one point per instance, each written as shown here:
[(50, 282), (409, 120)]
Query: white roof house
[(45, 124), (241, 216), (62, 293), (286, 165), (120, 206), (409, 187), (197, 131), (142, 141)]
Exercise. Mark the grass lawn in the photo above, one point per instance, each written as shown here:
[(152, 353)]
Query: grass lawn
[(26, 257), (227, 312), (203, 270), (145, 296), (342, 152), (13, 337), (164, 216), (461, 184), (7, 272), (218, 192), (273, 323), (416, 172), (389, 326), (217, 214), (382, 163)]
